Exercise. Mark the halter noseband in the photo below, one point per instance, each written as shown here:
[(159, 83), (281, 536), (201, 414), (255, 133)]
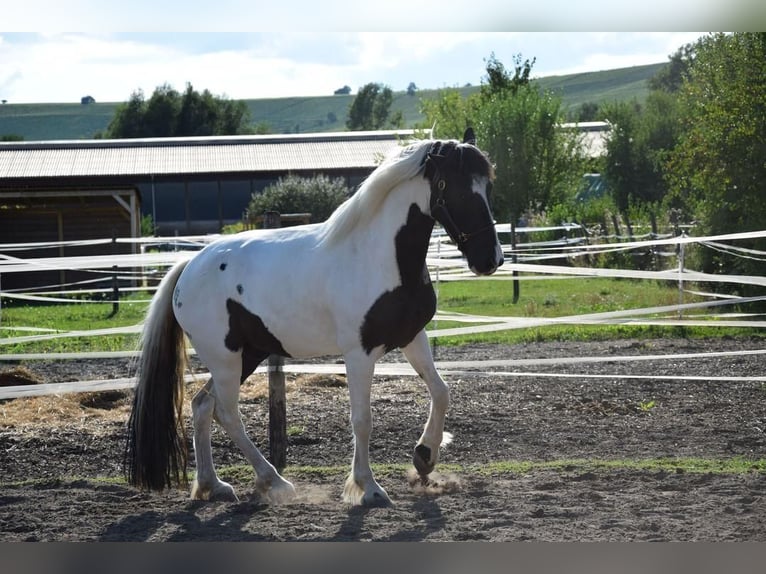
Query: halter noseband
[(441, 214)]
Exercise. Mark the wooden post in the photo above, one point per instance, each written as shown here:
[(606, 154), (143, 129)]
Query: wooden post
[(277, 398)]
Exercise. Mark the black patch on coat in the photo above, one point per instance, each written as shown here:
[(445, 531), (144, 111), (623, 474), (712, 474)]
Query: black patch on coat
[(400, 314), (239, 289), (248, 334), (222, 267)]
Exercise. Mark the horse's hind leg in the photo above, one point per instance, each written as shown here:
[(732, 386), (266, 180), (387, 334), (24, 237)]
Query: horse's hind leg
[(426, 454), (206, 485), (226, 412)]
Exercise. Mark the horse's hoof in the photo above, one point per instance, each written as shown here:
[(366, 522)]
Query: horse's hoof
[(377, 500), (281, 493), (221, 492), (421, 458)]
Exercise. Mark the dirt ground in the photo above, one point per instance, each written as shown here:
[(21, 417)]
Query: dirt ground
[(60, 456)]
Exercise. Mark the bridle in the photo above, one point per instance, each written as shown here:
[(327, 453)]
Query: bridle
[(440, 212)]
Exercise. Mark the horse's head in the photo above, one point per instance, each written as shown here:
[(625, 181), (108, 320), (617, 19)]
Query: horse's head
[(461, 180)]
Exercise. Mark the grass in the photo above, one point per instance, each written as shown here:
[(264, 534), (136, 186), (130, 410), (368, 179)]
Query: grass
[(72, 317), (243, 473), (539, 298), (562, 298)]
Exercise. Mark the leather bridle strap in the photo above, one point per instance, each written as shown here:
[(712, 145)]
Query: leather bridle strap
[(441, 214)]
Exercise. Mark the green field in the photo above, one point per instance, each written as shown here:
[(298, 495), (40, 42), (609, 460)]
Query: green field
[(66, 121), (539, 298)]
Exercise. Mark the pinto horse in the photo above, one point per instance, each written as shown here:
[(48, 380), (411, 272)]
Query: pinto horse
[(356, 285)]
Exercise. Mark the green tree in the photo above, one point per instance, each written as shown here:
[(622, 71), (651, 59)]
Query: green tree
[(537, 163), (719, 166), (168, 113), (639, 145), (371, 108), (622, 164), (319, 196), (448, 114), (670, 78)]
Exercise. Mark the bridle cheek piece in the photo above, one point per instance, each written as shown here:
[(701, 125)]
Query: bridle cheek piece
[(441, 214)]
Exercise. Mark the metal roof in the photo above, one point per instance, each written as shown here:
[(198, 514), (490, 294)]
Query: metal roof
[(216, 154)]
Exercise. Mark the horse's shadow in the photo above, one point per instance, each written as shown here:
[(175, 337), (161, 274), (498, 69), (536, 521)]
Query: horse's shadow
[(230, 524), (354, 528)]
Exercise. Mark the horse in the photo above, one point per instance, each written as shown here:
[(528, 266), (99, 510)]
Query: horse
[(355, 286)]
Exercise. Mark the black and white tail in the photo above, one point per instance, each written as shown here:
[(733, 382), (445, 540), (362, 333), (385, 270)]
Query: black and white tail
[(156, 451)]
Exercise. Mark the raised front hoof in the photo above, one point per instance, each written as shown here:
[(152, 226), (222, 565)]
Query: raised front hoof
[(218, 492), (374, 497), (421, 458)]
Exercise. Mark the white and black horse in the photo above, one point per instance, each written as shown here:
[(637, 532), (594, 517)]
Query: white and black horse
[(356, 285)]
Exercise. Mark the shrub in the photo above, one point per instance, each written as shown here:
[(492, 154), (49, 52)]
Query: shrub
[(319, 196)]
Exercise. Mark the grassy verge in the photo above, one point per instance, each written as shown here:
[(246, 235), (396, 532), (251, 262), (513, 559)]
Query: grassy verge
[(243, 473)]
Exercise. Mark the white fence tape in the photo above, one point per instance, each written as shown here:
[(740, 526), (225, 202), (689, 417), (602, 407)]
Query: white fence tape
[(443, 257), (447, 368)]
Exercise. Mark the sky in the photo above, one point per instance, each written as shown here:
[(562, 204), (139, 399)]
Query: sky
[(57, 67)]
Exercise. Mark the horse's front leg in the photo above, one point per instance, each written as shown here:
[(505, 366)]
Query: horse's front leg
[(361, 487), (426, 454)]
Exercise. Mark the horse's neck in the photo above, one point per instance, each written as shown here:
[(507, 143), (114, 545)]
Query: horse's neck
[(395, 210)]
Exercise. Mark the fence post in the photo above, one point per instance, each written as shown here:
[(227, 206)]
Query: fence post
[(115, 280), (681, 255), (277, 398)]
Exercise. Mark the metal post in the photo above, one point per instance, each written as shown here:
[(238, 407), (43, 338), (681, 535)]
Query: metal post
[(277, 394)]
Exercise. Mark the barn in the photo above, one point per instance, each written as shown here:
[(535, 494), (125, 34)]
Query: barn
[(70, 191)]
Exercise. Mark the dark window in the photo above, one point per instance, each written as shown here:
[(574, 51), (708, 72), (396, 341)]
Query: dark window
[(169, 201), (203, 201), (235, 196)]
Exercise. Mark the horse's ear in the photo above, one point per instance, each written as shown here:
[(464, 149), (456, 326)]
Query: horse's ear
[(469, 136)]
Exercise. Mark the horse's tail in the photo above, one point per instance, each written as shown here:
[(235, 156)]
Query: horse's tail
[(156, 452)]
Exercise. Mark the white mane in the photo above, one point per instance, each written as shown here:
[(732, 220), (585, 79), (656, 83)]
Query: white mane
[(402, 164)]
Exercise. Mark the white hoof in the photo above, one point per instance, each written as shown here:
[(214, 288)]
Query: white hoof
[(281, 492), (373, 496), (276, 490), (219, 491)]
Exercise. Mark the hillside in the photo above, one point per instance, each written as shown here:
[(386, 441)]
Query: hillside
[(314, 114)]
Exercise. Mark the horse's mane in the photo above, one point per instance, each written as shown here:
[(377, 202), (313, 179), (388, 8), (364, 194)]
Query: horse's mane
[(399, 166)]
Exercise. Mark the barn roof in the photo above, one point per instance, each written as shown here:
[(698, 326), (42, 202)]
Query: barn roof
[(216, 154)]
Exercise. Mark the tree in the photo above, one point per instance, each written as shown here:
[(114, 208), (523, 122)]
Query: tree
[(498, 81), (719, 165), (538, 163), (168, 113), (371, 108), (670, 78), (587, 112), (449, 114)]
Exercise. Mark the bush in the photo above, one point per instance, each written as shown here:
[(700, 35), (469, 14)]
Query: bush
[(319, 196)]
